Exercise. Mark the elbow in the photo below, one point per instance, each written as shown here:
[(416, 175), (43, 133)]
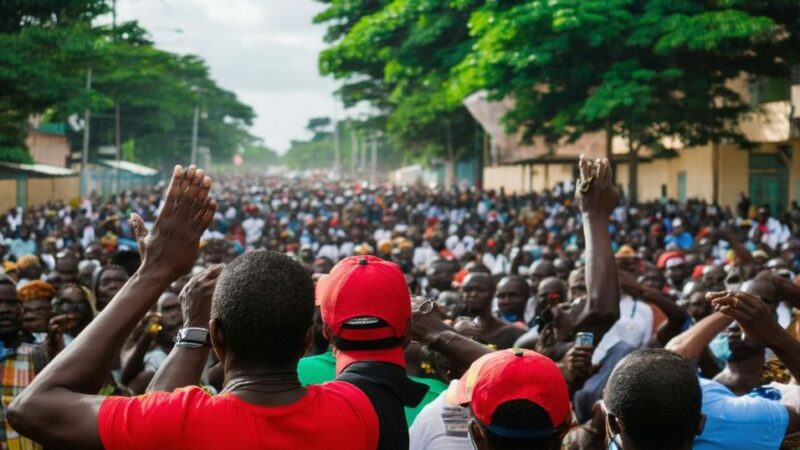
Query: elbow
[(19, 414)]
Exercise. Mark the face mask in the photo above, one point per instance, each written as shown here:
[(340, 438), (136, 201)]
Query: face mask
[(510, 317), (720, 348)]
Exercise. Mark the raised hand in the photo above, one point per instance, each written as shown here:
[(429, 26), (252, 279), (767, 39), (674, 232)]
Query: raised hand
[(172, 245), (576, 365), (196, 297), (595, 192), (754, 317)]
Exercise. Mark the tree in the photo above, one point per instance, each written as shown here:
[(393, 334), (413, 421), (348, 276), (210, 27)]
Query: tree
[(397, 56), (156, 93), (46, 44), (645, 70)]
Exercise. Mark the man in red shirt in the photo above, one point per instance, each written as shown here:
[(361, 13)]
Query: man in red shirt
[(259, 327)]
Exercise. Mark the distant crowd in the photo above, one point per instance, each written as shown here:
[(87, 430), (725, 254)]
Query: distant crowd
[(345, 314)]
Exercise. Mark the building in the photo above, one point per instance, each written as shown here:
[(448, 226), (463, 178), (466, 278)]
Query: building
[(769, 173), (49, 178)]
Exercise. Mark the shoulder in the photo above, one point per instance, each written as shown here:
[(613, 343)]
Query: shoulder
[(719, 400), (350, 406), (148, 420)]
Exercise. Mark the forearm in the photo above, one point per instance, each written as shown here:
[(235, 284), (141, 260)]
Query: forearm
[(133, 362), (787, 289), (459, 350), (670, 309), (739, 250), (601, 275), (183, 367), (691, 343), (84, 366)]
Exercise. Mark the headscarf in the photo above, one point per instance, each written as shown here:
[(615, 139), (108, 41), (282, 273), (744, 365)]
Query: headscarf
[(36, 289)]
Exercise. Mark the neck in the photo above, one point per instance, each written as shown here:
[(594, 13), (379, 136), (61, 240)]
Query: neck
[(272, 375), (12, 339), (742, 376)]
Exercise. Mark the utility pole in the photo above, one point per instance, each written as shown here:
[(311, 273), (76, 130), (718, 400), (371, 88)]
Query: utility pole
[(353, 150), (195, 125), (374, 171), (336, 144), (117, 146), (85, 149), (363, 146)]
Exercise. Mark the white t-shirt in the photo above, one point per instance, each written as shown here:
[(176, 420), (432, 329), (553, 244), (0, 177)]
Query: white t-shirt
[(428, 430), (634, 326), (460, 246), (253, 229)]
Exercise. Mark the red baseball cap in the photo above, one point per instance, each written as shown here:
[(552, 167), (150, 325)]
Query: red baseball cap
[(508, 375), (366, 304)]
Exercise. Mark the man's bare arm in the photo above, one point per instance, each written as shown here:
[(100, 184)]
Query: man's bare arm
[(59, 408), (596, 201), (184, 366)]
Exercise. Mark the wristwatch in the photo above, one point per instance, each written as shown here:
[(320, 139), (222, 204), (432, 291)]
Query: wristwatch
[(193, 338)]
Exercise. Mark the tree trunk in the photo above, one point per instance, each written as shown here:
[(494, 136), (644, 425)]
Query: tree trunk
[(610, 151), (633, 174), (450, 165), (715, 172)]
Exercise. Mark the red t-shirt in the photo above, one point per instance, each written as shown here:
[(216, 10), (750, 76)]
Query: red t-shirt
[(333, 415)]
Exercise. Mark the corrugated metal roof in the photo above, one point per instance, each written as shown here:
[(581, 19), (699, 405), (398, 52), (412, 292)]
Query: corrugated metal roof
[(39, 169), (128, 166)]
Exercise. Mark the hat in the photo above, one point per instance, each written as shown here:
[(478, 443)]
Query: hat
[(366, 304), (756, 254), (677, 222), (626, 251), (508, 375), (9, 266), (674, 261), (384, 246), (28, 260), (666, 256), (36, 289)]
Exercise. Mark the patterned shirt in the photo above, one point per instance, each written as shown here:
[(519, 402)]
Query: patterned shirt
[(17, 372)]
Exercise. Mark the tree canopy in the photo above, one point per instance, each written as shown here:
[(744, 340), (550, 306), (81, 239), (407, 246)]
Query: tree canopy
[(48, 47)]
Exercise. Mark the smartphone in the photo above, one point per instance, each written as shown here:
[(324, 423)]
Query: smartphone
[(584, 339)]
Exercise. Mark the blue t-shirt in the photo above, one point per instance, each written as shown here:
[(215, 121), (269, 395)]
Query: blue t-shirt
[(746, 422), (684, 241)]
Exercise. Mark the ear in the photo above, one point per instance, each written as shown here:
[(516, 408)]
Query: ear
[(701, 425), (217, 340)]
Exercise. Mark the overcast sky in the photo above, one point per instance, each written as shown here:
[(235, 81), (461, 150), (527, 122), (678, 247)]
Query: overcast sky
[(263, 50)]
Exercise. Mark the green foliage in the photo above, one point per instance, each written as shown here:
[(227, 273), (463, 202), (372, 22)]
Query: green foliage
[(15, 155), (318, 152), (48, 47), (397, 55), (649, 69)]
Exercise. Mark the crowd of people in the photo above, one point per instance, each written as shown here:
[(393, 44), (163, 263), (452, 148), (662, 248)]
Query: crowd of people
[(349, 315)]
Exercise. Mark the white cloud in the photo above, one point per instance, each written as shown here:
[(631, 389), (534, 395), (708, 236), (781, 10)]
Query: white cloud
[(264, 50)]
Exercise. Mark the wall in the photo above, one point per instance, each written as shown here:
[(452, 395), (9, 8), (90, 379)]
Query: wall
[(733, 175), (46, 148), (43, 190), (8, 194), (696, 162), (547, 176), (512, 178)]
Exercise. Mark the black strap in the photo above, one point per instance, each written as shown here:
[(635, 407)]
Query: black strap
[(374, 344)]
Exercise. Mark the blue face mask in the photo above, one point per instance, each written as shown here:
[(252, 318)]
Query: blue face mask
[(720, 348), (510, 317)]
